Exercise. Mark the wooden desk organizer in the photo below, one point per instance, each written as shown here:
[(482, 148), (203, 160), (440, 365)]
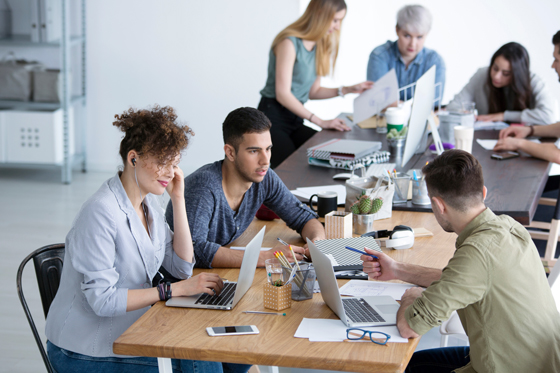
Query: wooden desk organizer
[(277, 297)]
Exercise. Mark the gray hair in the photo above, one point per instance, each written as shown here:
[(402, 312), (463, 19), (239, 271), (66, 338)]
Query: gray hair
[(414, 18)]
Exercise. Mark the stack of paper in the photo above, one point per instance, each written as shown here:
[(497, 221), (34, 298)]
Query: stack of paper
[(329, 330), (479, 126)]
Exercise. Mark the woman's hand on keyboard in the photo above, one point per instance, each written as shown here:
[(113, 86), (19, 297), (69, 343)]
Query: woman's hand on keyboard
[(209, 283)]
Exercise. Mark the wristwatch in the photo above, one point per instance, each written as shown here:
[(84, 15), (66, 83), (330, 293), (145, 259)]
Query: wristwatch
[(340, 92)]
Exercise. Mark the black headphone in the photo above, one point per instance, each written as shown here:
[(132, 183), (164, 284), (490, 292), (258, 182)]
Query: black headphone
[(134, 162), (401, 237)]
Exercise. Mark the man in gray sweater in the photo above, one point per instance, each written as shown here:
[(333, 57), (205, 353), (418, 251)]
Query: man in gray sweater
[(513, 138), (223, 197)]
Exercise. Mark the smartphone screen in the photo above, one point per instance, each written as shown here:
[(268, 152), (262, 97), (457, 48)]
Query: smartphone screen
[(232, 329)]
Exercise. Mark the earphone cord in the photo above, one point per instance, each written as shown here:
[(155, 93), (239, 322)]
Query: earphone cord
[(143, 205)]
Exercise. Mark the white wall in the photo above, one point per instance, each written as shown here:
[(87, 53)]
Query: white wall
[(204, 58), (465, 33)]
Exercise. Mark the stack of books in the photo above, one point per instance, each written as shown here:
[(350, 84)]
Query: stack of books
[(346, 154)]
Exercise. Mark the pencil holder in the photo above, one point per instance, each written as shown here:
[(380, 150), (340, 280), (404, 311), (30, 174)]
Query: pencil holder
[(420, 192), (304, 281), (338, 224), (277, 297)]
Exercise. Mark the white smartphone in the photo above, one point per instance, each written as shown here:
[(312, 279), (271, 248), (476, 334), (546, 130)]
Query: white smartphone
[(232, 330)]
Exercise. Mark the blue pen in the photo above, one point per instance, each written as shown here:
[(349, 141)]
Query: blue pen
[(414, 175), (361, 252)]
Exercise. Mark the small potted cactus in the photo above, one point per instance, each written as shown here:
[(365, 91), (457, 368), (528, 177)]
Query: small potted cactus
[(363, 213)]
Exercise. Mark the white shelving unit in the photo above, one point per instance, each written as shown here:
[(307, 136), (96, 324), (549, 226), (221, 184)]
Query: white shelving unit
[(65, 44)]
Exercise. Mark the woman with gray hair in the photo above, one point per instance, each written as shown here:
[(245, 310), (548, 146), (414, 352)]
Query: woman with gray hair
[(407, 54)]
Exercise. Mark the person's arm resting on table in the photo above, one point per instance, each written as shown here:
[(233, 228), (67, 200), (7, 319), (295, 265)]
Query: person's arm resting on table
[(513, 139)]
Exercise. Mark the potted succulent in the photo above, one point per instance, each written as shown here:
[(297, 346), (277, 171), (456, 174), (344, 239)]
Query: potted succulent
[(363, 213), (396, 140)]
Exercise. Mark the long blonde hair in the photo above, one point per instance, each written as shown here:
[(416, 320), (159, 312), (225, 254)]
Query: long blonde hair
[(313, 25)]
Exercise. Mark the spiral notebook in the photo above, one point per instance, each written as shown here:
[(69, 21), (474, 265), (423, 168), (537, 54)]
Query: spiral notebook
[(377, 157)]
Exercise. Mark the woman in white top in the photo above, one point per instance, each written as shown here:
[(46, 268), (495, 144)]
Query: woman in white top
[(117, 243), (507, 90)]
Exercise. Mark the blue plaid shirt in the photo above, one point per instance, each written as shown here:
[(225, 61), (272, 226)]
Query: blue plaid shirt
[(387, 56)]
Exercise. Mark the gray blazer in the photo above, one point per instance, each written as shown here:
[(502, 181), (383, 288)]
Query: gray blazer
[(108, 251)]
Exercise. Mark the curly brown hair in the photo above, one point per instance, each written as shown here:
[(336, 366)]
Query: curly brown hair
[(153, 132)]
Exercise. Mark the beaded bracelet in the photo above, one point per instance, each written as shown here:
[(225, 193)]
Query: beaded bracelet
[(164, 290)]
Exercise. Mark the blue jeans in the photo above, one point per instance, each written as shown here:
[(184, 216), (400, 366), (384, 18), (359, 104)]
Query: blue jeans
[(67, 361), (439, 360)]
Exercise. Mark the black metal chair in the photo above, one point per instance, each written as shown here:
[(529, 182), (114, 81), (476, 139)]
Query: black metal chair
[(48, 262)]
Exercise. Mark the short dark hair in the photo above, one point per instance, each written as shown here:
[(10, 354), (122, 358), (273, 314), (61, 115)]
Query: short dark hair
[(456, 177), (556, 38), (241, 121)]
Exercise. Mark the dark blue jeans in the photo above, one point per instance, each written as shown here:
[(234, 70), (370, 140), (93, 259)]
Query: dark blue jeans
[(67, 361), (438, 360)]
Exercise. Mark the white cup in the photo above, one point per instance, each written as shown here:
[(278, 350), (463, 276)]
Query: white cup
[(464, 138), (395, 116)]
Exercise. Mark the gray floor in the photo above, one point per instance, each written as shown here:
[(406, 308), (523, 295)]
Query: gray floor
[(38, 210)]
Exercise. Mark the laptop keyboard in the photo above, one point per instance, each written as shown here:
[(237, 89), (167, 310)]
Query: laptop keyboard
[(358, 310), (223, 299)]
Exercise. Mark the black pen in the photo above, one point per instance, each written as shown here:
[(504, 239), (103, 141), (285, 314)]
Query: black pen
[(287, 244)]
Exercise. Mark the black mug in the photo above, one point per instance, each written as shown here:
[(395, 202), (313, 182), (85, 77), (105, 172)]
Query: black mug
[(326, 202)]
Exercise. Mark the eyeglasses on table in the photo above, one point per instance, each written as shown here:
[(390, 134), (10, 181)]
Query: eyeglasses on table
[(379, 338)]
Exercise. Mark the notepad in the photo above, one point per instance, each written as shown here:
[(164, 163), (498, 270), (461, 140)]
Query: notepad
[(342, 256)]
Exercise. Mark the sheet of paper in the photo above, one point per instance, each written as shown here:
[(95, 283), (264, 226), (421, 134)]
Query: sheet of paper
[(384, 92), (307, 192), (361, 288), (243, 248), (490, 144), (379, 169), (329, 330)]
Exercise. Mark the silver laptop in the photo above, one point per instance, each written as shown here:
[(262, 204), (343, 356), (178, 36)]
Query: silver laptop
[(353, 311), (232, 291)]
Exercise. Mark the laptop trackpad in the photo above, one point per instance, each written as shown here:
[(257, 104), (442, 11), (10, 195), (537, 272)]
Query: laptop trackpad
[(388, 308)]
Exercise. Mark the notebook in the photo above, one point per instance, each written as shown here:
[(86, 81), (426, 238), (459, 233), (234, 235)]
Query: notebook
[(346, 263), (343, 149), (353, 311), (232, 291), (376, 157)]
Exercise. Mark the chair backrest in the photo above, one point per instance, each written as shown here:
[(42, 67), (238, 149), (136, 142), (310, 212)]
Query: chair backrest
[(48, 261), (555, 283)]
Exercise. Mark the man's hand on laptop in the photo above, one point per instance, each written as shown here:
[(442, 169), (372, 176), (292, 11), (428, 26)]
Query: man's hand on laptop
[(209, 283), (382, 269)]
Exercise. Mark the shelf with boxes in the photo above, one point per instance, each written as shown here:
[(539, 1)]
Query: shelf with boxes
[(38, 128)]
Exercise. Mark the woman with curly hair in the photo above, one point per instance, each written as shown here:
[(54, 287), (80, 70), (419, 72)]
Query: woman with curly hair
[(299, 56), (117, 243)]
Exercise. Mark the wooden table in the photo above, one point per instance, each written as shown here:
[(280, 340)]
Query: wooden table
[(181, 333), (514, 186)]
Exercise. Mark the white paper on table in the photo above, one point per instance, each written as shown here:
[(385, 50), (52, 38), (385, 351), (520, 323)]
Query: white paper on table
[(384, 92), (490, 144), (490, 125), (361, 288), (332, 259), (329, 330), (307, 192), (243, 248)]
